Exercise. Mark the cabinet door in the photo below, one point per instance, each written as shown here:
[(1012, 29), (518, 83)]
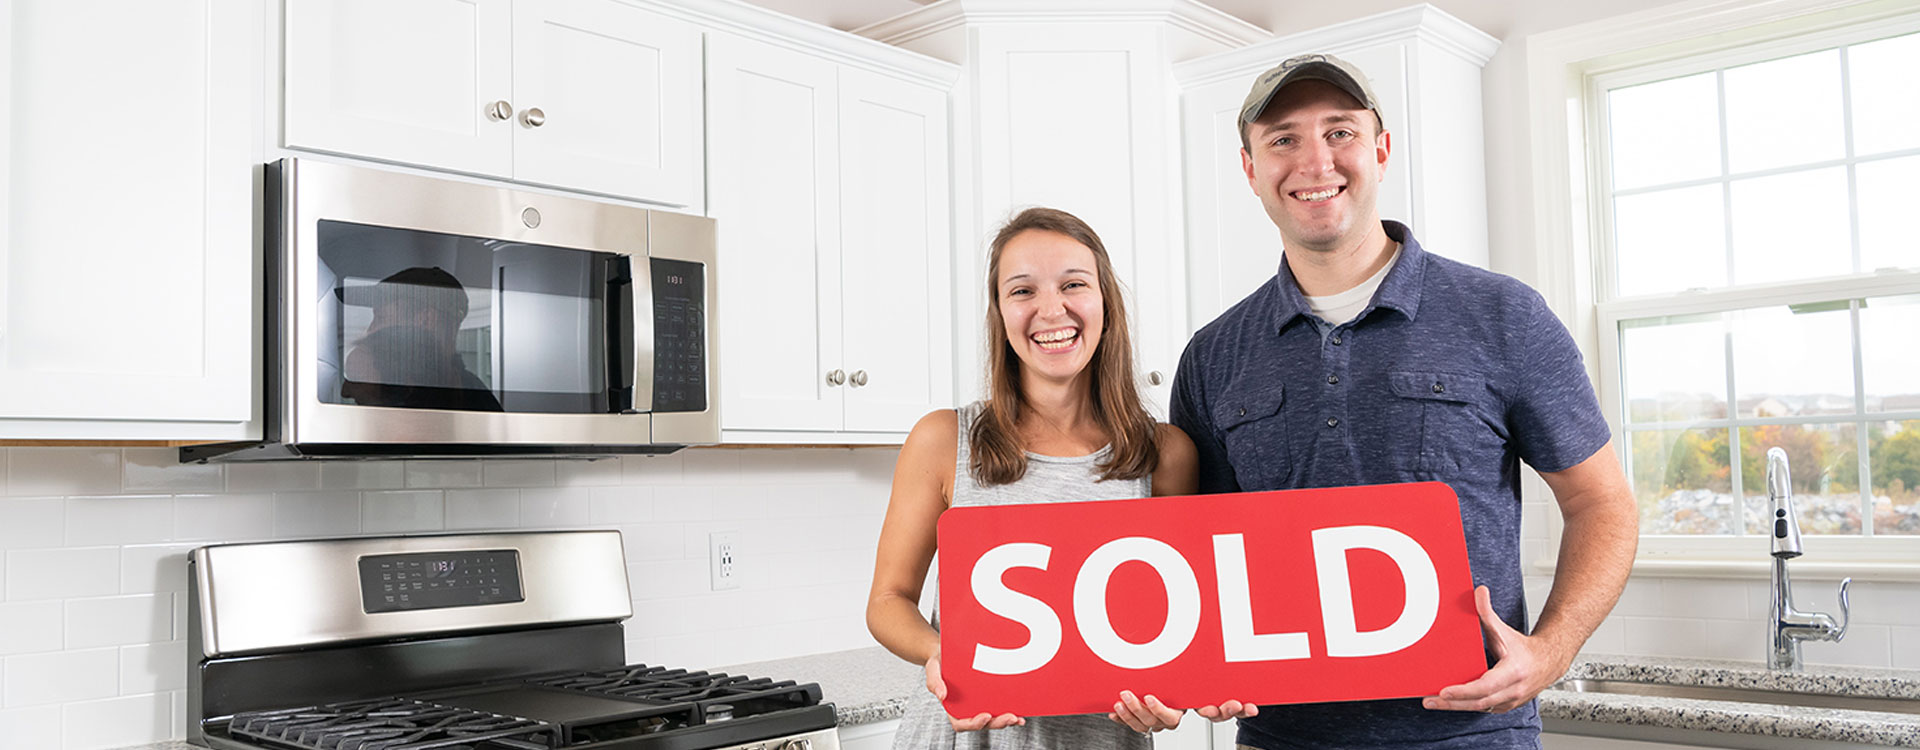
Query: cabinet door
[(401, 81), (895, 252), (618, 91), (772, 118), (126, 272)]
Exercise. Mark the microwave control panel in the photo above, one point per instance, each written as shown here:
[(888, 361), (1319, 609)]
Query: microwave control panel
[(435, 580), (679, 336)]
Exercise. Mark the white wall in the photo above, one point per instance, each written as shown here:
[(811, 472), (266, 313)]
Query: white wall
[(93, 544)]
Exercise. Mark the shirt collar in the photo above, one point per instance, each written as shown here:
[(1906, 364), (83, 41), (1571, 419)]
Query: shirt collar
[(1399, 291)]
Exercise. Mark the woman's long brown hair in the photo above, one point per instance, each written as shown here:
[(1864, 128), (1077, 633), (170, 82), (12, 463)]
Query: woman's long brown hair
[(997, 454)]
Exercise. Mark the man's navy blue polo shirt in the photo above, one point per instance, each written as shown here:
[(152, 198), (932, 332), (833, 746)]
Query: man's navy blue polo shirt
[(1451, 373)]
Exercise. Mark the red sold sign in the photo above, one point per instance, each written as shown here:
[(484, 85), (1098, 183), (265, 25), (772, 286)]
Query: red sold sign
[(1350, 593)]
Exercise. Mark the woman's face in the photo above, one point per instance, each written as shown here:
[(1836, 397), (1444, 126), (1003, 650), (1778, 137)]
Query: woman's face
[(1049, 294)]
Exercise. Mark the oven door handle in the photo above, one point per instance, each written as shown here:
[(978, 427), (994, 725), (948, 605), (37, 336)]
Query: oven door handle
[(631, 352)]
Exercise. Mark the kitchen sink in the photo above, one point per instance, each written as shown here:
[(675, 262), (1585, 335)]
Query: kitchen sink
[(1741, 695)]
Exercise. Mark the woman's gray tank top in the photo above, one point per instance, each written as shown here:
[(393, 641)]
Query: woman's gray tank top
[(1049, 479)]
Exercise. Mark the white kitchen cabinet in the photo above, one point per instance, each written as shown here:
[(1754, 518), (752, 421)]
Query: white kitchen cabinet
[(872, 736), (598, 96), (131, 153), (829, 184), (1424, 66)]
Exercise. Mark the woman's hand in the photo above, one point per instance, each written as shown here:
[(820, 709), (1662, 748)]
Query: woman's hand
[(1228, 710), (1146, 715), (984, 720)]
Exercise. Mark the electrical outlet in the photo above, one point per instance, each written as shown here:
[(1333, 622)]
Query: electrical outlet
[(723, 553)]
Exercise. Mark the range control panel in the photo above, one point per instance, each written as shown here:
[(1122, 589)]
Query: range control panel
[(433, 580)]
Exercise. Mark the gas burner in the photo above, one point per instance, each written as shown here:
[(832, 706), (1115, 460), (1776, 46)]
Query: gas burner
[(720, 696), (391, 724)]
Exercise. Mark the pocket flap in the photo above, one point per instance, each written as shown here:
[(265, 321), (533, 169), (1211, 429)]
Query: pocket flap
[(1436, 386), (1249, 403)]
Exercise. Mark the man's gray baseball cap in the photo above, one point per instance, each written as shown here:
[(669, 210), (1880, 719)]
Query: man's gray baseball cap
[(1308, 67)]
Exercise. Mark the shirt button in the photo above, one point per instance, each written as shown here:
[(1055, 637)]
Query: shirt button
[(1333, 380), (1243, 412), (1336, 340), (1333, 421), (1438, 388)]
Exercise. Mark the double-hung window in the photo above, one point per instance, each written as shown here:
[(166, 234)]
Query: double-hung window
[(1757, 285)]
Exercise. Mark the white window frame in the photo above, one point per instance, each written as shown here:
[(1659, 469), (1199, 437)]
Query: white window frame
[(1568, 71)]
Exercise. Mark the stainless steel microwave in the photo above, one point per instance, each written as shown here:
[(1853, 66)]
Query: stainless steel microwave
[(410, 316)]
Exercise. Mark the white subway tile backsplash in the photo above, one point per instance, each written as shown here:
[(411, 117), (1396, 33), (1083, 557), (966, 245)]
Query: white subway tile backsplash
[(603, 472), (1663, 636), (1880, 603), (1905, 655), (31, 627), (61, 677), (554, 508), (363, 475), (305, 515), (129, 519), (616, 505), (119, 620), (517, 473), (152, 568), (62, 573), (1741, 640), (63, 471), (117, 722), (273, 476), (34, 728), (654, 542), (654, 580), (1680, 597), (1640, 598), (153, 667), (1865, 646), (160, 470), (245, 517), (32, 522), (443, 474), (651, 469), (483, 509), (715, 465), (402, 511)]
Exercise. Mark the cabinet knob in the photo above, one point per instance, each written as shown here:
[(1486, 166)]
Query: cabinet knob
[(799, 744), (836, 377), (499, 110), (859, 378), (533, 117), (1155, 378)]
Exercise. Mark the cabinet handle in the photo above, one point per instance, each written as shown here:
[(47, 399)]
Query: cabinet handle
[(1154, 378), (859, 378), (836, 377), (499, 110), (533, 117)]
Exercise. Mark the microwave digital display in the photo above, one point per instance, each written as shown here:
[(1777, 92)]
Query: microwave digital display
[(679, 336)]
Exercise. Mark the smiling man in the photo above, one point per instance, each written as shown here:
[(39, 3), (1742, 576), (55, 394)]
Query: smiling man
[(1365, 360)]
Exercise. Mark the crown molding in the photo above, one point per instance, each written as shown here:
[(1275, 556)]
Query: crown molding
[(762, 25), (1421, 22), (1185, 15)]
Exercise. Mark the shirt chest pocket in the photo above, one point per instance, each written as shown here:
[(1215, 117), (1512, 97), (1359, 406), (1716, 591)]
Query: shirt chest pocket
[(1252, 420), (1456, 420)]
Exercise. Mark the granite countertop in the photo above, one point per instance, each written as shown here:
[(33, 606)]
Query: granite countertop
[(870, 685), (1761, 720)]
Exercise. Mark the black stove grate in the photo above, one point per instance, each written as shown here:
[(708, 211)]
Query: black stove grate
[(391, 724), (717, 694)]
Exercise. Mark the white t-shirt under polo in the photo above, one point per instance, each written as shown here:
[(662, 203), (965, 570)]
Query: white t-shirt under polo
[(1340, 308)]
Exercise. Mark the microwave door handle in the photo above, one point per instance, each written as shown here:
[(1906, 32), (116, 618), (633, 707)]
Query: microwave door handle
[(641, 314)]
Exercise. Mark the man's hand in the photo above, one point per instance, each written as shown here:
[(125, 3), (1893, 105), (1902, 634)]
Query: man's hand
[(1524, 667), (1147, 715), (984, 720)]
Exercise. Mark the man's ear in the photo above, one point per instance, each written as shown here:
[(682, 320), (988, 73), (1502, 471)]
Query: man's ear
[(1246, 165), (1382, 145)]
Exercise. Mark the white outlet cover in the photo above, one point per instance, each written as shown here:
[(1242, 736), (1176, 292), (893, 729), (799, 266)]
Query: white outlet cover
[(723, 559)]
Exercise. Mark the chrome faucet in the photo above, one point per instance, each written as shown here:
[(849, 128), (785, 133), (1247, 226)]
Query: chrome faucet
[(1788, 627)]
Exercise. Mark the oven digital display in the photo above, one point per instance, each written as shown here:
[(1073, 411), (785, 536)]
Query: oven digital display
[(435, 580)]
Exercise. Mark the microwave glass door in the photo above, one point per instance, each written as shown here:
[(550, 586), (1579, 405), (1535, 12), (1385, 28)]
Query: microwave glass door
[(422, 320)]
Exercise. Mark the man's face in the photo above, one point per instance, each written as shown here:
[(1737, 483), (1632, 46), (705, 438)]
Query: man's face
[(1315, 157)]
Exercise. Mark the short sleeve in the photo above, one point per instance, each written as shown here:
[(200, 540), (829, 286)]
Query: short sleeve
[(1189, 412), (1554, 415)]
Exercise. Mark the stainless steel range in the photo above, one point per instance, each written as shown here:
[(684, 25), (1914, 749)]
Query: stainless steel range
[(454, 642)]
